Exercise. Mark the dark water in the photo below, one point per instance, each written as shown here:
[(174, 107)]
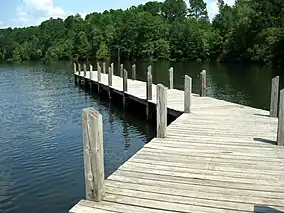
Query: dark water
[(41, 162)]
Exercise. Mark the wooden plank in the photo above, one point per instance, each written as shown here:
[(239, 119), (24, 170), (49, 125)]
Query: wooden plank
[(187, 93), (161, 111), (185, 189), (79, 208), (218, 158), (163, 205), (171, 198), (119, 207), (274, 97), (280, 131), (231, 168), (93, 154), (171, 78), (203, 83), (134, 72), (210, 172), (188, 183)]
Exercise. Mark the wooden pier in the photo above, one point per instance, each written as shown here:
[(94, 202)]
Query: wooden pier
[(216, 156)]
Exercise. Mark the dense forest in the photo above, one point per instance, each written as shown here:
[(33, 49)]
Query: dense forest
[(249, 31)]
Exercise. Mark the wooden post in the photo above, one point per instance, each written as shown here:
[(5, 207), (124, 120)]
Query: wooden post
[(75, 72), (110, 73), (280, 132), (93, 154), (134, 72), (171, 78), (85, 70), (149, 83), (149, 93), (99, 78), (74, 68), (112, 68), (98, 65), (104, 67), (121, 70), (274, 97), (161, 111), (79, 73), (125, 75), (79, 69), (203, 83), (91, 77), (99, 74), (187, 93)]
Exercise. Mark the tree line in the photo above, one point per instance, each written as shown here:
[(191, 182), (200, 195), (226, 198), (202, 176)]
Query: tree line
[(248, 31)]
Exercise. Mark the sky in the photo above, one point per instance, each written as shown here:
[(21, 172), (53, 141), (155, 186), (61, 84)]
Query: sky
[(20, 13)]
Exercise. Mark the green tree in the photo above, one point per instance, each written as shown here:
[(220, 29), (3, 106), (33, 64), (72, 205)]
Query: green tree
[(102, 53), (198, 9)]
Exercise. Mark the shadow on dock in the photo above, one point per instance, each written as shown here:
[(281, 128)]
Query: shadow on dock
[(265, 141), (265, 209)]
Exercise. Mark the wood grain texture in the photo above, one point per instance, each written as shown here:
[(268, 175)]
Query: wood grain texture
[(104, 67), (110, 74), (74, 67), (79, 67), (91, 71), (187, 93), (85, 70), (220, 157), (125, 76), (280, 133), (93, 154), (161, 111), (171, 78), (203, 83), (149, 89), (274, 96), (134, 72), (99, 74), (121, 70)]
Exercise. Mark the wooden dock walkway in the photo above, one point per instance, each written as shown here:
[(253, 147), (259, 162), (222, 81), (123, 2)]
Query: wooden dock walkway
[(220, 157)]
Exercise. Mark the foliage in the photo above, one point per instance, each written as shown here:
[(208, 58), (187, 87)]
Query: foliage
[(248, 31), (102, 53)]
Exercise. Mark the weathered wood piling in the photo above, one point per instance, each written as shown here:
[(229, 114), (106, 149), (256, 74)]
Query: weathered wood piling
[(93, 154), (203, 83), (274, 97), (187, 93)]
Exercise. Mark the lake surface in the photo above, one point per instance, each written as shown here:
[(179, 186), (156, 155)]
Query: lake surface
[(41, 158)]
